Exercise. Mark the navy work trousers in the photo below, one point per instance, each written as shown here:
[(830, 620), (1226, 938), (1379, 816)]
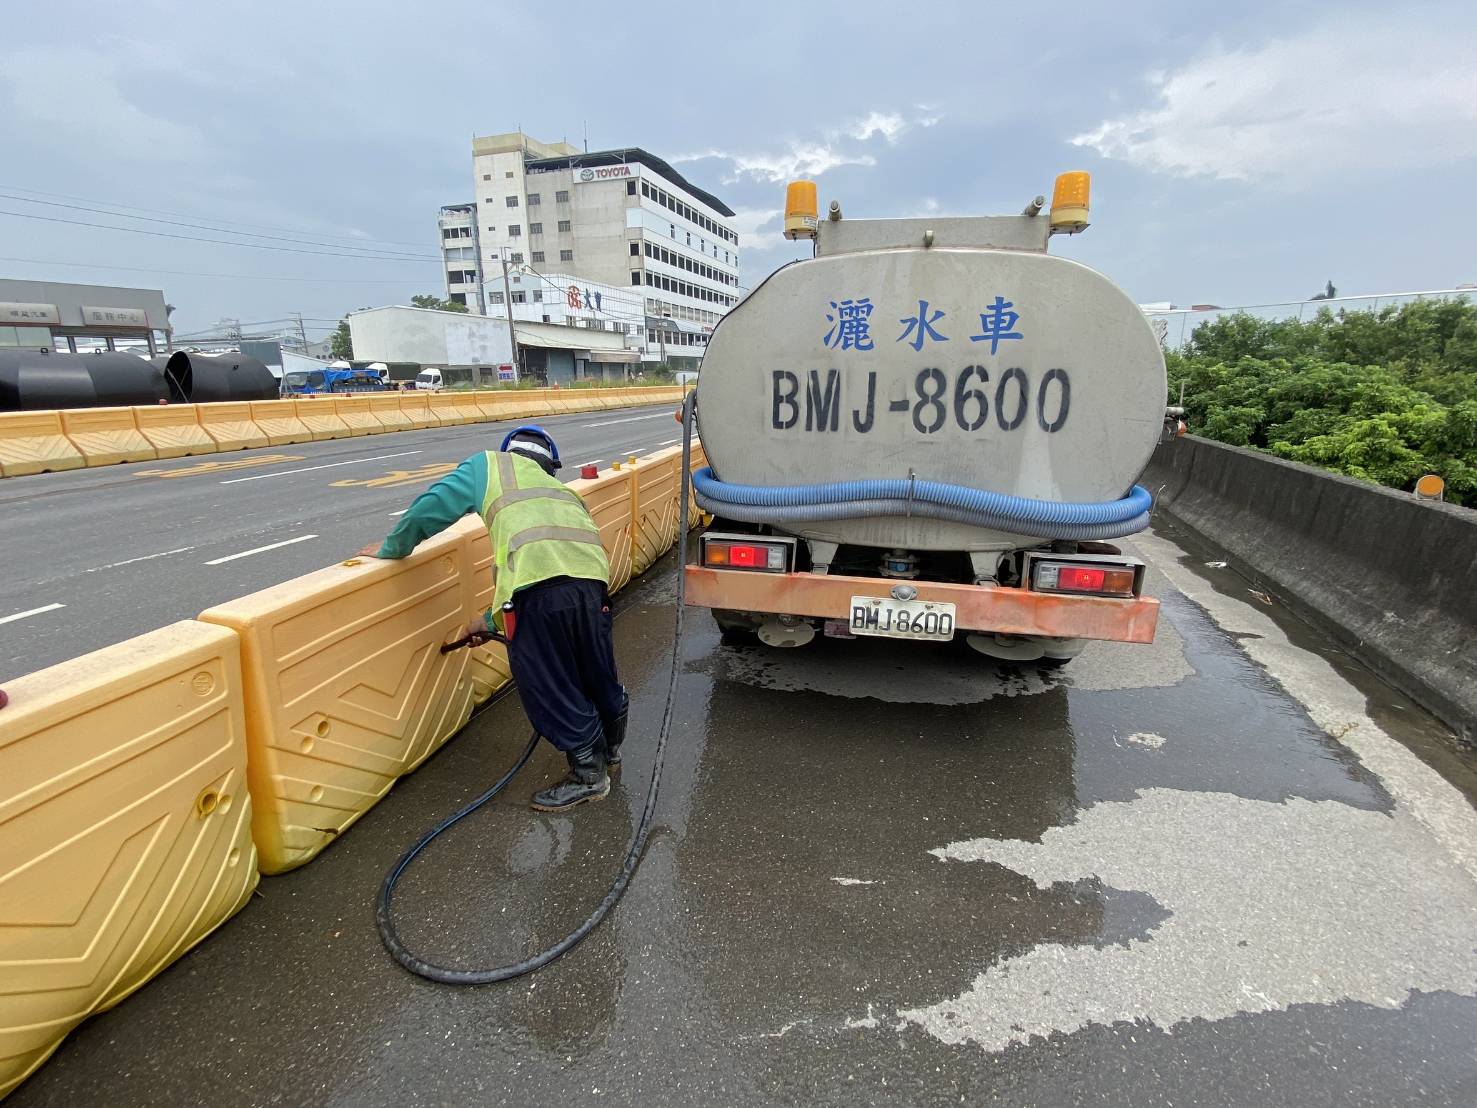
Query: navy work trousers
[(563, 659)]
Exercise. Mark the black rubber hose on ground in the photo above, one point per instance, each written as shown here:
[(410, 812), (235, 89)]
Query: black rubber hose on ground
[(448, 975)]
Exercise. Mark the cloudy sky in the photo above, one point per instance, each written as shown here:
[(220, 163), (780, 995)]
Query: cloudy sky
[(1239, 155)]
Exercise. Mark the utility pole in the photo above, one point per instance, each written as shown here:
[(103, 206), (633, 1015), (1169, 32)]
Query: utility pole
[(302, 332), (512, 333), (662, 337)]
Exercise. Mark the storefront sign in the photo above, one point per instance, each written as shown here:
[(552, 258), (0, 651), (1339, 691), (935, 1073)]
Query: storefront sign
[(114, 317), (30, 314), (603, 173)]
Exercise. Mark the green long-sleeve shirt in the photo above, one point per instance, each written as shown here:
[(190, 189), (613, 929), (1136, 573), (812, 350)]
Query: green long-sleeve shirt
[(461, 491), (458, 493)]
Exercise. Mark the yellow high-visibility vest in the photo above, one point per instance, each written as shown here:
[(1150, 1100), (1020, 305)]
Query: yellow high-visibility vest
[(539, 528)]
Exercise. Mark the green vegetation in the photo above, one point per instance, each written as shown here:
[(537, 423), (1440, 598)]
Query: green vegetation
[(341, 343), (1384, 396), (428, 300)]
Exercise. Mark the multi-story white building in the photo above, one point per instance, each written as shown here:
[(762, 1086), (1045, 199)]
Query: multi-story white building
[(656, 255)]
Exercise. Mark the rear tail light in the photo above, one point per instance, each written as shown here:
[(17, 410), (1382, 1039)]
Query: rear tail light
[(1078, 578), (767, 557)]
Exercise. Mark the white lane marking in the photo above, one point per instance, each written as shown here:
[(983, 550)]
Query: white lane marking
[(629, 419), (591, 462), (401, 512), (145, 558), (310, 469), (32, 612), (259, 550)]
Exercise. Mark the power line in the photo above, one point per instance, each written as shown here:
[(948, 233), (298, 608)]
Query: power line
[(221, 242), (206, 227), (229, 222), (287, 323), (193, 273)]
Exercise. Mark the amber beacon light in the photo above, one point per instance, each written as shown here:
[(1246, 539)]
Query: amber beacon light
[(801, 210), (1069, 202)]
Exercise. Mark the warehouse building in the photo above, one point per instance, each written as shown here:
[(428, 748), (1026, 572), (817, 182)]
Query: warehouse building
[(476, 349)]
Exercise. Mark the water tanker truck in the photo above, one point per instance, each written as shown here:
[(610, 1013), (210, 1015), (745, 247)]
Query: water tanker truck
[(930, 429)]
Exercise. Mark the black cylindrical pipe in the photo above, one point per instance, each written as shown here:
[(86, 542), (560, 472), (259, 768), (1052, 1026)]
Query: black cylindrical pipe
[(206, 378), (32, 380)]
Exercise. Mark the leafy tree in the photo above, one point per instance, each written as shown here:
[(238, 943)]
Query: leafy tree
[(1381, 395), (340, 343), (427, 300)]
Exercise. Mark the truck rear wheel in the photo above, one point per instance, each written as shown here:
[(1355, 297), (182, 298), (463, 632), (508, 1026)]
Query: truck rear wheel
[(735, 628)]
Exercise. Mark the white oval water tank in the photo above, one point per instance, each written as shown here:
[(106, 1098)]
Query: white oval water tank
[(1009, 371)]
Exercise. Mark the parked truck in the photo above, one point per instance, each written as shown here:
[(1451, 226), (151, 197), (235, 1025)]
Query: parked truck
[(930, 428)]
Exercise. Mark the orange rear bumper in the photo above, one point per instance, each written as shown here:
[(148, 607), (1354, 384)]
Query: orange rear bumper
[(1005, 611)]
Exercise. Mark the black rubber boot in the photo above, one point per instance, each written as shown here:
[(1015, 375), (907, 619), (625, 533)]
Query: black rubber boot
[(615, 734), (587, 780)]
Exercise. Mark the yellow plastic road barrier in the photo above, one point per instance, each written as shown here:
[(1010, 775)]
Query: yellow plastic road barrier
[(523, 404), (493, 406), (173, 430), (347, 689), (124, 827), (318, 416), (590, 400), (354, 411), (33, 442), (608, 497), (106, 436), (229, 424), (612, 398), (560, 400), (277, 419), (654, 515), (466, 404), (386, 409), (448, 411), (416, 407)]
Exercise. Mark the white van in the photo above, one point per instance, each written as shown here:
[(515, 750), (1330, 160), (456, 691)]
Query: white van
[(429, 380)]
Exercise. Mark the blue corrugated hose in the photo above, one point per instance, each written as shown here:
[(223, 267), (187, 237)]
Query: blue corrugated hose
[(902, 496)]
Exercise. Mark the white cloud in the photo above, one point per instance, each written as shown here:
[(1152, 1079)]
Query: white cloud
[(812, 157), (73, 98), (799, 159), (752, 223), (1351, 97), (887, 124)]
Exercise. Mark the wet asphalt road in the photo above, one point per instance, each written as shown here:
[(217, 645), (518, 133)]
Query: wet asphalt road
[(1229, 868)]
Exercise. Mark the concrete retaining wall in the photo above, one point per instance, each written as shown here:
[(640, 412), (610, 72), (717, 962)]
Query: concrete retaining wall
[(1393, 578)]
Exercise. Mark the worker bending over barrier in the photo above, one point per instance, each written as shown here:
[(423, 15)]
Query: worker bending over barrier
[(550, 602)]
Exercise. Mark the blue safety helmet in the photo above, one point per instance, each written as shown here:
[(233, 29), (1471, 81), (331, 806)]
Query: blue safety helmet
[(535, 443)]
